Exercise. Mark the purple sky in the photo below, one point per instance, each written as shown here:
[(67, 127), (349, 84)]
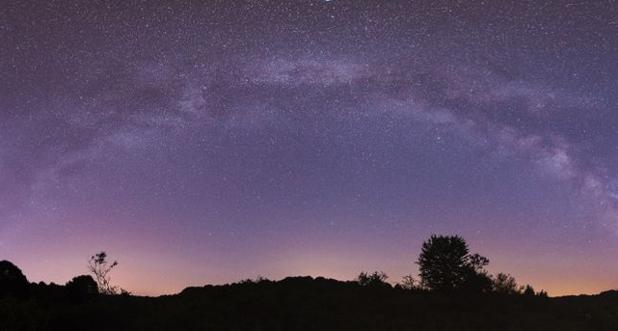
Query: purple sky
[(210, 141)]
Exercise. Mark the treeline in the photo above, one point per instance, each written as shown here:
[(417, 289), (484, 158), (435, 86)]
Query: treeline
[(445, 265), (452, 291)]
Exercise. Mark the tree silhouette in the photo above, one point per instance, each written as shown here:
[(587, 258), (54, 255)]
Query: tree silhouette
[(445, 264), (100, 268)]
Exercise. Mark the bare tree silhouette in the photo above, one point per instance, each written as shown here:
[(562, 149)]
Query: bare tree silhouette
[(100, 268)]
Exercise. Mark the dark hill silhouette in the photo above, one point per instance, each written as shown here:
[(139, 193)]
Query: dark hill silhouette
[(306, 303)]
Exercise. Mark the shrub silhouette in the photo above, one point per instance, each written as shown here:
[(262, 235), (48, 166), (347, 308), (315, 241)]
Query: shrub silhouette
[(375, 279), (529, 290), (477, 281), (505, 284), (408, 282), (12, 281), (81, 288), (445, 264)]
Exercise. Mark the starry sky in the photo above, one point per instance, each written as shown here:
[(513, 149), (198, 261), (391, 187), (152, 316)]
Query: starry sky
[(210, 141)]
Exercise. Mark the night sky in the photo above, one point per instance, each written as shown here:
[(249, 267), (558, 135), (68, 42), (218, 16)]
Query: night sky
[(211, 141)]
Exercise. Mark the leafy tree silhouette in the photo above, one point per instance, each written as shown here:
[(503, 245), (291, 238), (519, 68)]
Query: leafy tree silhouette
[(100, 268), (445, 264)]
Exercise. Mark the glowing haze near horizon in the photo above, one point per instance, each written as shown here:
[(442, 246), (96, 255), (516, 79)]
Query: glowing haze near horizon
[(211, 141)]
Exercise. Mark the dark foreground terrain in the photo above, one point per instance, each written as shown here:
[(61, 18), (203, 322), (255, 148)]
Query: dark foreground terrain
[(303, 303)]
